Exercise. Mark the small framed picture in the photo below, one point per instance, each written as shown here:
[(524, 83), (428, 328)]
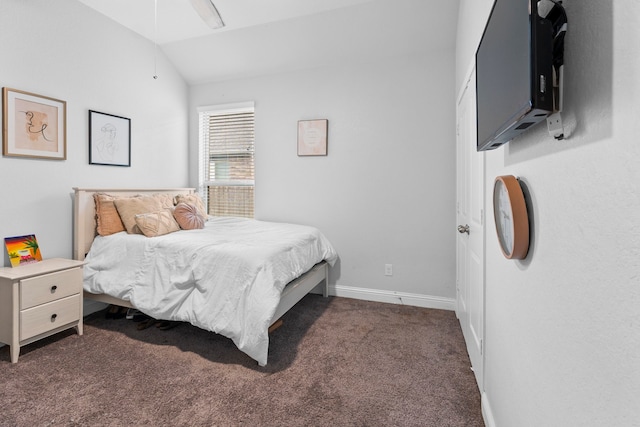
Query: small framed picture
[(33, 125), (23, 249), (312, 137), (109, 139)]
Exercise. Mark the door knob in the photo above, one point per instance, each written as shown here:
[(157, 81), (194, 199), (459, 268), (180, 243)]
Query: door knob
[(463, 229)]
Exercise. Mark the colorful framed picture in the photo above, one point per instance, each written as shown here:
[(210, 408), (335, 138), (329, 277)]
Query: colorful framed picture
[(33, 125), (109, 139), (312, 137), (23, 250)]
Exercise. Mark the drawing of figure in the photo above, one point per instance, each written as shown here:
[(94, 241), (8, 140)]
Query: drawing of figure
[(107, 146), (36, 125)]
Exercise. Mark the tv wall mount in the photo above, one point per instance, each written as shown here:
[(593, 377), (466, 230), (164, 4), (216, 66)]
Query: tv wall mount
[(554, 12)]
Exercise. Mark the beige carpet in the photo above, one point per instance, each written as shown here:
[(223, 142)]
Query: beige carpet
[(335, 361)]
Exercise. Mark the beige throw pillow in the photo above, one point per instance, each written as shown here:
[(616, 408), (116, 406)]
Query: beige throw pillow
[(165, 200), (130, 207), (107, 218), (156, 223)]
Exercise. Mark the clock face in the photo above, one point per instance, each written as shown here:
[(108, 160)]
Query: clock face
[(510, 215)]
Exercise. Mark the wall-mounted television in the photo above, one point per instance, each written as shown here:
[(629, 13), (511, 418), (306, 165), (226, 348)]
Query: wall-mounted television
[(515, 73)]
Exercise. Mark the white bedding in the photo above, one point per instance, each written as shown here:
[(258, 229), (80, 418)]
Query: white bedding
[(226, 278)]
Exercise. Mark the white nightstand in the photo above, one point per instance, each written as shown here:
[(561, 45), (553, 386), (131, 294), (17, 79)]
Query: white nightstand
[(38, 300)]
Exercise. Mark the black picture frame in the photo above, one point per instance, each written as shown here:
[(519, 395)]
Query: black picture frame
[(109, 139)]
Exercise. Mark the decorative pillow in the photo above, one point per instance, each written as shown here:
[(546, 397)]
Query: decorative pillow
[(129, 207), (156, 223), (165, 200), (107, 217), (188, 217), (195, 200)]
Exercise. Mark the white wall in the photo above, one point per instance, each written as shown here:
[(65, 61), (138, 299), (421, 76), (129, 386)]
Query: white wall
[(385, 193), (67, 51), (562, 327), (472, 16)]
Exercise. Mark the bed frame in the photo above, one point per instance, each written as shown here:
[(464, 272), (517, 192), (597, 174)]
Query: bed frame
[(84, 228)]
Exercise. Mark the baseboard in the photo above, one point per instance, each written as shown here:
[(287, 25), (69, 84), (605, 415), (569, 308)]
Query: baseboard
[(416, 300), (487, 415)]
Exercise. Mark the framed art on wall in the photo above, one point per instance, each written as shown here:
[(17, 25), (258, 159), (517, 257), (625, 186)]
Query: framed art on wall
[(312, 137), (109, 139), (33, 125)]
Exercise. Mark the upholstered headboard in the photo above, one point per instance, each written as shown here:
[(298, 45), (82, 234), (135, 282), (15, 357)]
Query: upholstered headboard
[(84, 211)]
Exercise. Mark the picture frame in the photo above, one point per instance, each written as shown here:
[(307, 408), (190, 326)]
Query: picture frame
[(23, 250), (312, 137), (109, 139), (33, 125)]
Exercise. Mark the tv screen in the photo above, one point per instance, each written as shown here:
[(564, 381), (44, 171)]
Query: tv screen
[(514, 81)]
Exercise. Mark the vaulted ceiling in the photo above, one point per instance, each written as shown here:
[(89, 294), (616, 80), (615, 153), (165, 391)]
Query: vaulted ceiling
[(273, 36)]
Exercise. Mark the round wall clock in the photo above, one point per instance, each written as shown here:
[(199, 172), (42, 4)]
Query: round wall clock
[(511, 218)]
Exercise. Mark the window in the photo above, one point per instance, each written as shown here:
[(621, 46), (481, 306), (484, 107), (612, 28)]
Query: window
[(226, 159)]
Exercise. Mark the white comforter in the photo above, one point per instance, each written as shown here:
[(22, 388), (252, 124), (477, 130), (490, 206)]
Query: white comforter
[(226, 278)]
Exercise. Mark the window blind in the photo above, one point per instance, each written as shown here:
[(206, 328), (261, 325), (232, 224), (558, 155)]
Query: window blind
[(227, 176)]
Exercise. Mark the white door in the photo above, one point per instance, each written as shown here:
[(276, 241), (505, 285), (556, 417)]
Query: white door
[(470, 230)]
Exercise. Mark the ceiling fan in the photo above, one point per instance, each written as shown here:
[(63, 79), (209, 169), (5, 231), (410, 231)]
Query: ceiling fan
[(208, 12)]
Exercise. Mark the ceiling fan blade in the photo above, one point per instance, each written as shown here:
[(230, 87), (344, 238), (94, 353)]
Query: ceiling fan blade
[(208, 12)]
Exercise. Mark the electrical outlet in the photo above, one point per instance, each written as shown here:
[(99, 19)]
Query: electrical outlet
[(388, 269)]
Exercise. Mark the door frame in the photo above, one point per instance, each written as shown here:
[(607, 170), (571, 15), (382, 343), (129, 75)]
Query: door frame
[(480, 203)]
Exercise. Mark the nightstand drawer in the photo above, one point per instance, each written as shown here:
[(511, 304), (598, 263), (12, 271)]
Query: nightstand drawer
[(45, 317), (50, 287)]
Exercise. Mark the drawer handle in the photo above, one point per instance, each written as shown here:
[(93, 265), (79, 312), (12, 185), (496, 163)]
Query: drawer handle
[(54, 288), (53, 317)]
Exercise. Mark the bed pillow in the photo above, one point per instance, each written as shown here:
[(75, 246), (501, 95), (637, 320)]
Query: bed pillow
[(107, 218), (166, 201), (156, 223), (188, 217), (129, 207), (195, 200)]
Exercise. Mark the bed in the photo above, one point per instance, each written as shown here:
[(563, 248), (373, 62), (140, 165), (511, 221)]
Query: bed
[(234, 276)]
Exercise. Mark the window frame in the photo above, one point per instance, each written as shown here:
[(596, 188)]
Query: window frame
[(205, 181)]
